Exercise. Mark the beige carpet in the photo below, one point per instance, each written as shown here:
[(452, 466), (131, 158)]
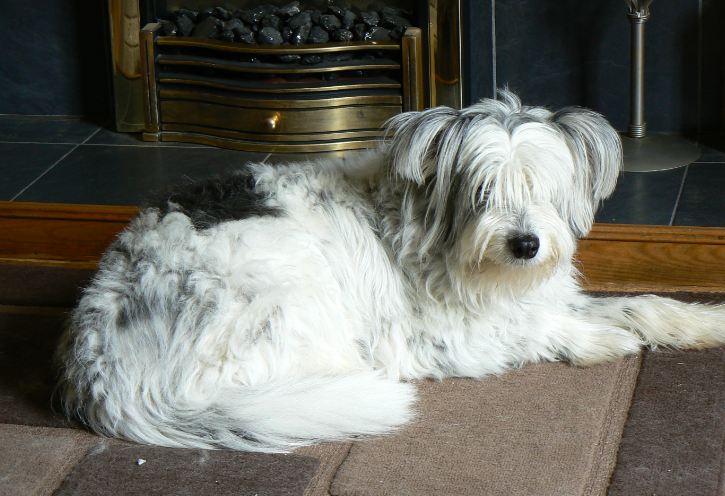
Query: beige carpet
[(35, 460), (546, 429)]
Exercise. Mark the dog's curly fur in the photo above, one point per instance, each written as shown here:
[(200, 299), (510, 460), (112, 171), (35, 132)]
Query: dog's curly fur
[(286, 305)]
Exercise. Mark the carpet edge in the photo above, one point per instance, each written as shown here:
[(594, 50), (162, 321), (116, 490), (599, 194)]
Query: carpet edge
[(605, 457)]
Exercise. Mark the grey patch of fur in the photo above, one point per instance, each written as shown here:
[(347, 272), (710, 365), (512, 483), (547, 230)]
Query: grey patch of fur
[(211, 201)]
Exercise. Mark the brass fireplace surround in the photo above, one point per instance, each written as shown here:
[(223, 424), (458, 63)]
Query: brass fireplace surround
[(182, 104)]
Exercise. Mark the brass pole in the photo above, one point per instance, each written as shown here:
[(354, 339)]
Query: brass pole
[(643, 153), (637, 123)]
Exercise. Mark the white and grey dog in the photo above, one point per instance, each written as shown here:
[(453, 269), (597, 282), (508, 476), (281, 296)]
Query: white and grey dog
[(286, 305)]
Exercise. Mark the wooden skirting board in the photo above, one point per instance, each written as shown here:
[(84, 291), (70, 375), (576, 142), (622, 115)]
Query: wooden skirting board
[(637, 258), (58, 234), (614, 257)]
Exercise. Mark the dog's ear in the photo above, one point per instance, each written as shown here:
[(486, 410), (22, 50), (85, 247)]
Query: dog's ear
[(597, 152), (413, 140), (423, 148)]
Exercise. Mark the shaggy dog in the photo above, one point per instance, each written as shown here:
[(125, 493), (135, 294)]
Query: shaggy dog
[(286, 305)]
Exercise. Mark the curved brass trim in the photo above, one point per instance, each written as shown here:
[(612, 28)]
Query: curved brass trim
[(221, 86), (258, 69), (289, 121), (261, 137), (269, 147), (229, 46), (252, 146), (282, 103)]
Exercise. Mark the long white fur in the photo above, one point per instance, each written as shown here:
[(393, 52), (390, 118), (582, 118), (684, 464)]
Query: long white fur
[(273, 332)]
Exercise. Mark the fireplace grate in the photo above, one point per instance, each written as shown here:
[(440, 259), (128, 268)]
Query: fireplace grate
[(308, 98)]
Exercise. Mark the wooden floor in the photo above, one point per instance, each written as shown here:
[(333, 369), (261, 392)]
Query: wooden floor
[(628, 258)]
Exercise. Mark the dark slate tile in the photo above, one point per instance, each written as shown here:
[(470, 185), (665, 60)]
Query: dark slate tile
[(711, 155), (54, 58), (673, 439), (578, 53), (565, 53), (643, 198), (120, 175), (28, 337), (712, 78), (109, 137), (478, 50), (115, 468), (703, 198), (21, 163), (45, 129)]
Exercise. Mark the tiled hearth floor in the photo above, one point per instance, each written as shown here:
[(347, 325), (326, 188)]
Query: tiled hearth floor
[(66, 160)]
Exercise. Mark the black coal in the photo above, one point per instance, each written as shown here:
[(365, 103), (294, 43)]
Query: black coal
[(290, 24)]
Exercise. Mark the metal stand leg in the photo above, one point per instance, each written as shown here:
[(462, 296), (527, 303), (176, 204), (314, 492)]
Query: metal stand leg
[(644, 153)]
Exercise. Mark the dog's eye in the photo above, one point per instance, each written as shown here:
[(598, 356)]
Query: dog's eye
[(482, 194)]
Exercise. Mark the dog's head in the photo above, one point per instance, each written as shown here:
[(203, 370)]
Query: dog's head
[(503, 189)]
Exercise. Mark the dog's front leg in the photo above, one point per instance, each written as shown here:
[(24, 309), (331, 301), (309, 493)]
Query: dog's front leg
[(604, 329), (577, 339), (665, 322)]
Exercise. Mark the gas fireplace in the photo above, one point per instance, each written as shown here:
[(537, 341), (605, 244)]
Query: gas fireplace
[(293, 76)]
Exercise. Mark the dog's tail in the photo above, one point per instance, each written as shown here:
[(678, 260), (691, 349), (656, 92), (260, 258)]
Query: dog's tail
[(665, 322), (271, 418)]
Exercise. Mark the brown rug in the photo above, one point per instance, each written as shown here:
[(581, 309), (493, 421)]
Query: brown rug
[(674, 440), (41, 286), (330, 456), (132, 470), (28, 337), (34, 460), (544, 430)]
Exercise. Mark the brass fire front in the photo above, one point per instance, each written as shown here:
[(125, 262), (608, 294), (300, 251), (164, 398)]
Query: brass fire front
[(208, 92), (441, 47)]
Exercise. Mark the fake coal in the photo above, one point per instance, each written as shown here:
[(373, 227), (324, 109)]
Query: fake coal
[(290, 24)]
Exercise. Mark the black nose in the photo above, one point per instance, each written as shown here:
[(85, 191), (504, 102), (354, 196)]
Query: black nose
[(524, 245)]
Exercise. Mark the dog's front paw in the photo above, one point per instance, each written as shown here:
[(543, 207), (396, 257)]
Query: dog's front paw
[(603, 346)]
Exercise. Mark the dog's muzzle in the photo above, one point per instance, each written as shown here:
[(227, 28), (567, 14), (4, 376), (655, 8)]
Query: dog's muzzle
[(524, 246)]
